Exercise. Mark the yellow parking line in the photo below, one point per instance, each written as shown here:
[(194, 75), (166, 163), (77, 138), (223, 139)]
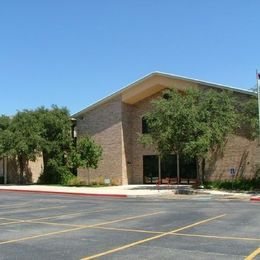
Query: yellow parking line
[(151, 238), (39, 209), (17, 221), (128, 218), (89, 226), (55, 224), (218, 237), (71, 214), (130, 230), (253, 254), (178, 234), (13, 219), (78, 228), (14, 205), (41, 235)]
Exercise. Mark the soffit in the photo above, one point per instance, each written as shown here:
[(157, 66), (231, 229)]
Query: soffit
[(153, 85)]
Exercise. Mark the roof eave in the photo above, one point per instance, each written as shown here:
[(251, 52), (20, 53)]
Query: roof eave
[(117, 93)]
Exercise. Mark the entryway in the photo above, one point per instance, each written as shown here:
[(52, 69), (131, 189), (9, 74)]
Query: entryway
[(165, 171)]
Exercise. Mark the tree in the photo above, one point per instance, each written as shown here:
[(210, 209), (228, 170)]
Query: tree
[(20, 139), (5, 135), (47, 133), (86, 154), (56, 144), (249, 118), (190, 124)]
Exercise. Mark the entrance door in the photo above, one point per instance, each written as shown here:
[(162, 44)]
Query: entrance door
[(188, 171), (168, 169), (151, 169), (168, 165)]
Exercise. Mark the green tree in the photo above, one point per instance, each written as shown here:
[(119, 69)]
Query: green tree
[(249, 118), (86, 154), (20, 139), (46, 132), (56, 143), (190, 124)]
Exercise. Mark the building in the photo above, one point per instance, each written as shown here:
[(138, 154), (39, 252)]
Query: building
[(116, 122), (9, 171)]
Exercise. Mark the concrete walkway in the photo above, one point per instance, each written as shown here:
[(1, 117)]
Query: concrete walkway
[(164, 191)]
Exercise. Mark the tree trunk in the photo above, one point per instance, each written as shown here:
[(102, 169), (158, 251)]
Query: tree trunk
[(159, 168), (178, 168), (203, 163), (200, 170)]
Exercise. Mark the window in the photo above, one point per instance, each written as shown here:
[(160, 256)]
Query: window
[(167, 167), (145, 128), (166, 96), (150, 168)]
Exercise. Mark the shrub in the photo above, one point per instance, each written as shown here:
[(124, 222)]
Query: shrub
[(56, 174), (236, 184), (76, 182)]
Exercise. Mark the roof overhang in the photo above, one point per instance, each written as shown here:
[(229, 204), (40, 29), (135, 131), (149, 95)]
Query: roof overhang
[(155, 82)]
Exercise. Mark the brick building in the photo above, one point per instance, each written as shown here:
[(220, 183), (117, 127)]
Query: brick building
[(9, 171), (115, 123)]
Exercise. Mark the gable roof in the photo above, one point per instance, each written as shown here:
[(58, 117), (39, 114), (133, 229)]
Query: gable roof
[(167, 75)]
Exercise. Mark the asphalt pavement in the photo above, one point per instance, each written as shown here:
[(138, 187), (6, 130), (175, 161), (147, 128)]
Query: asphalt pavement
[(56, 226)]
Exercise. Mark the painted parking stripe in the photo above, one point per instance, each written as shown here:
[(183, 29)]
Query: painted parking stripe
[(13, 205), (79, 228), (18, 221), (151, 238), (218, 237), (33, 210), (129, 230), (179, 234), (253, 254)]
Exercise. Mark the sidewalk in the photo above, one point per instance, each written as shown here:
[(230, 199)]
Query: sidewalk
[(110, 191), (164, 191)]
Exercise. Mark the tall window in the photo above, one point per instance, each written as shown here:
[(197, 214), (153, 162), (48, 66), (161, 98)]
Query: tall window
[(145, 128)]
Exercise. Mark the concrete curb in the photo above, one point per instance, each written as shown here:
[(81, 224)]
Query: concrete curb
[(255, 198), (67, 193)]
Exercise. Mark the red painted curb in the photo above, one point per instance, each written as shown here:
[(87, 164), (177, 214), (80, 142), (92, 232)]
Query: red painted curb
[(68, 193), (255, 198)]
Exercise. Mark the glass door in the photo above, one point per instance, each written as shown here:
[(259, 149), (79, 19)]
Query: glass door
[(150, 169)]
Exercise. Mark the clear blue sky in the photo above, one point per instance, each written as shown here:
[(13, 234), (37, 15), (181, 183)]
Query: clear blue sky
[(74, 52)]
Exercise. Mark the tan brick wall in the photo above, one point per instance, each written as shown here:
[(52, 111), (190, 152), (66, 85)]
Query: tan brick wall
[(139, 110), (36, 169), (104, 124), (138, 150), (239, 153), (117, 125), (127, 159), (33, 170)]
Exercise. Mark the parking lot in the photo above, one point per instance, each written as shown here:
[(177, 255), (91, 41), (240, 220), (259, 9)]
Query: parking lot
[(38, 226)]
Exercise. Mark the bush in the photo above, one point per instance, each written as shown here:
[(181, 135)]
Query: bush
[(76, 182), (236, 184), (55, 174), (1, 179)]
